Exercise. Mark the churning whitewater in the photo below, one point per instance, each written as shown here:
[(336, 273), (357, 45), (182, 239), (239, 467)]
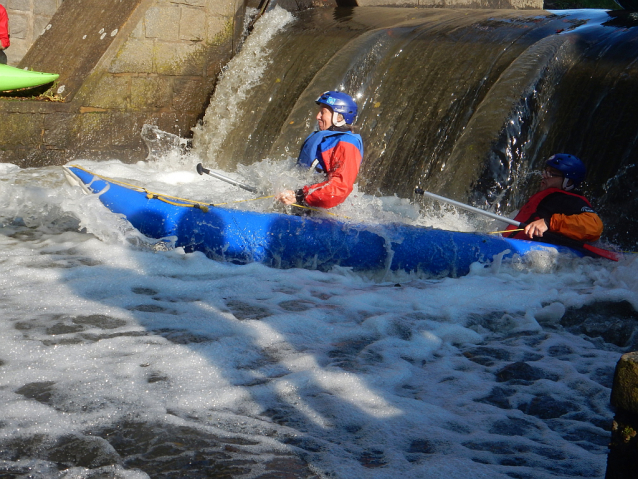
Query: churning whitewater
[(121, 358)]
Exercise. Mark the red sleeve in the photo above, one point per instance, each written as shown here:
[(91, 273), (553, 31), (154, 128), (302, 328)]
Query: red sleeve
[(4, 28), (342, 163)]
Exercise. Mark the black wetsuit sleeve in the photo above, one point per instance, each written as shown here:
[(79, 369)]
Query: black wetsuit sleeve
[(558, 203)]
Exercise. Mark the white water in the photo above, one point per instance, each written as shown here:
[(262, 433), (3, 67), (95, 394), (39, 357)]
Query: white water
[(359, 378)]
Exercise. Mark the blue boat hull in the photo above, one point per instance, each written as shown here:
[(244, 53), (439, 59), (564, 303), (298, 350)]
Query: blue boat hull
[(286, 241)]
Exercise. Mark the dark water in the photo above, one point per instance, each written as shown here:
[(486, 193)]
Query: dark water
[(464, 103)]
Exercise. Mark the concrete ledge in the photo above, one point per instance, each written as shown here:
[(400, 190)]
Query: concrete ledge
[(488, 4)]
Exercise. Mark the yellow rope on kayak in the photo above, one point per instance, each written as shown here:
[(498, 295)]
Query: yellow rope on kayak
[(505, 231), (174, 200)]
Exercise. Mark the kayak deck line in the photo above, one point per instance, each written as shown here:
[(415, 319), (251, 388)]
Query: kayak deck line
[(161, 196), (149, 194)]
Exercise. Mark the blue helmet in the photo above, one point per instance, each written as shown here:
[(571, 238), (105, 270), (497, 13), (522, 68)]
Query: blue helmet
[(339, 102), (570, 166)]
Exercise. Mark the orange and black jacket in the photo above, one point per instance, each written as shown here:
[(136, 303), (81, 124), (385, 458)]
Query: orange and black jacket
[(564, 212)]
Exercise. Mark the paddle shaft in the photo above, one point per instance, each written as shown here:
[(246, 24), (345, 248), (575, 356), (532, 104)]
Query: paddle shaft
[(557, 238), (467, 207), (201, 170)]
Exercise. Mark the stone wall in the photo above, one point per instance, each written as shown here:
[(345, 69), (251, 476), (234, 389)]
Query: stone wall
[(122, 63), (27, 20)]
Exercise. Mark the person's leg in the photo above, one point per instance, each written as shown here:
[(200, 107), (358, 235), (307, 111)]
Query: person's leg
[(3, 57)]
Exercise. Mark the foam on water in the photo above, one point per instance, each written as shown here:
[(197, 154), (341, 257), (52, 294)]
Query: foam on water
[(104, 338)]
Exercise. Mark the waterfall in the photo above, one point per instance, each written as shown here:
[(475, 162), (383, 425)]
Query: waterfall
[(466, 103)]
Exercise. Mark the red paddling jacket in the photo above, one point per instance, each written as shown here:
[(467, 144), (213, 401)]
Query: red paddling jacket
[(338, 154), (568, 214), (4, 28)]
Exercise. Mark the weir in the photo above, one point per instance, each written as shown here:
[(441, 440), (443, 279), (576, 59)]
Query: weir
[(467, 104)]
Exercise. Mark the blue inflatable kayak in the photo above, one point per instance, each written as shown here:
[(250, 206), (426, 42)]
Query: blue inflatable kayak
[(287, 241)]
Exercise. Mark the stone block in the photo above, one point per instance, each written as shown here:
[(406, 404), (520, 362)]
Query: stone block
[(40, 23), (179, 58), (18, 26), (218, 29), (56, 130), (189, 95), (45, 7), (192, 25), (53, 156), (624, 394), (136, 56), (11, 156), (111, 92), (163, 23), (223, 7), (94, 130), (179, 124), (22, 5), (150, 92), (21, 130), (126, 130), (16, 51), (138, 31)]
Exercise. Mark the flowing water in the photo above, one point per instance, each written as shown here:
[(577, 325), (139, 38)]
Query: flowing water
[(465, 103), (122, 359)]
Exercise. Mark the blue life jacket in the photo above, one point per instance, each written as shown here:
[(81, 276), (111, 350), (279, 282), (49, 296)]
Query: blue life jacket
[(310, 155)]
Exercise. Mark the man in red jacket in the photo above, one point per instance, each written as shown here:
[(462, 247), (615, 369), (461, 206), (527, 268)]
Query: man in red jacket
[(334, 150), (556, 207), (4, 34)]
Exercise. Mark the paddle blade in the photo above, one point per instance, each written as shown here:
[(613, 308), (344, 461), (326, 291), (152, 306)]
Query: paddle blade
[(602, 252)]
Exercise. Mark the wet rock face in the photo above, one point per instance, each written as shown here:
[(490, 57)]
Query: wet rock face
[(623, 449), (612, 322)]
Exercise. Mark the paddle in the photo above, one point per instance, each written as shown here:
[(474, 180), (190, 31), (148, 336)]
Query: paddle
[(557, 238), (201, 170)]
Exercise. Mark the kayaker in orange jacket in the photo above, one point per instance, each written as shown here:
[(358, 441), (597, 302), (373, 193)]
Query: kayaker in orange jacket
[(4, 34), (556, 207), (335, 150)]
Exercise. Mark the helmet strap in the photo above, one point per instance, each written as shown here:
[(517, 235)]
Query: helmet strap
[(335, 119), (566, 185)]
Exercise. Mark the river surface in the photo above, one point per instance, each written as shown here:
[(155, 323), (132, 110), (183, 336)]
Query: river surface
[(119, 359)]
